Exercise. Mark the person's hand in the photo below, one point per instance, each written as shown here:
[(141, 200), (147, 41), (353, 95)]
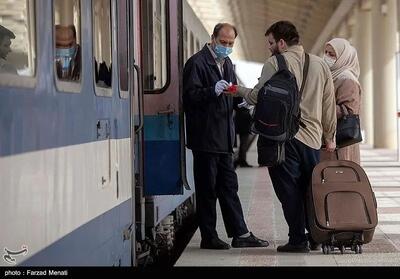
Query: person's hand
[(330, 146), (220, 86), (245, 105)]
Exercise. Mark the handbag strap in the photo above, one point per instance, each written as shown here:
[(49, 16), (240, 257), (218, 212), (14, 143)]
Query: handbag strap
[(346, 112)]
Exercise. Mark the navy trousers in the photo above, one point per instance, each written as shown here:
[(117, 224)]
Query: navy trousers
[(290, 181), (215, 178)]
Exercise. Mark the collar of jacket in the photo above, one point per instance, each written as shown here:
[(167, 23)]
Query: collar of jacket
[(298, 49)]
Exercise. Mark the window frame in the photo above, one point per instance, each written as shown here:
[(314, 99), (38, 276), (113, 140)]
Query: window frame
[(162, 90), (98, 90), (122, 93), (61, 85), (11, 80)]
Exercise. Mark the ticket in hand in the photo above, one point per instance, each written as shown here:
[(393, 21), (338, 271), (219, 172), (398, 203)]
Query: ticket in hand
[(232, 88)]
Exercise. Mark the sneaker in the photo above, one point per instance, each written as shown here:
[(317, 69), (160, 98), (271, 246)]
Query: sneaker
[(291, 248), (214, 244), (251, 241)]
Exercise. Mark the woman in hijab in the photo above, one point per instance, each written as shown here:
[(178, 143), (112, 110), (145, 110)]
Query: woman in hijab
[(342, 59)]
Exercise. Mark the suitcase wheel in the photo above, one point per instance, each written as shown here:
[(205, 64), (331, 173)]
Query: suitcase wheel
[(327, 249), (358, 249)]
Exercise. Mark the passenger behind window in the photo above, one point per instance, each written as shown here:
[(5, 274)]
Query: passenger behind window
[(103, 74), (68, 53), (6, 36)]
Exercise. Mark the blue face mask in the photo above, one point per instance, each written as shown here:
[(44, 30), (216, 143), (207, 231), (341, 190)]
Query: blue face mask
[(222, 52), (64, 56)]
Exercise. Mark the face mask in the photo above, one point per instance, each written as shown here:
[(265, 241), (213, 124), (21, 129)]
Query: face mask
[(222, 52), (329, 60), (64, 57)]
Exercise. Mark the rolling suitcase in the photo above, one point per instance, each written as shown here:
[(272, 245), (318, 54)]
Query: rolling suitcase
[(341, 206)]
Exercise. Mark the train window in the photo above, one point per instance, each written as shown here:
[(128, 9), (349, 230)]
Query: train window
[(123, 47), (155, 45), (185, 44), (67, 43), (102, 43), (17, 42)]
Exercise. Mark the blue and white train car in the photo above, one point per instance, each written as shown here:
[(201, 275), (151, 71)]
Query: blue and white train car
[(93, 165)]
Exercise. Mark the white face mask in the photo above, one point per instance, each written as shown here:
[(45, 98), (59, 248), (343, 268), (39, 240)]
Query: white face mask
[(329, 60)]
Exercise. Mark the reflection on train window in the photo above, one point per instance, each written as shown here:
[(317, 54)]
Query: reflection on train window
[(155, 44), (123, 44), (17, 37), (67, 31), (102, 41)]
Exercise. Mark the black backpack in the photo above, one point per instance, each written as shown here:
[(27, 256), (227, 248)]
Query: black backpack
[(277, 116)]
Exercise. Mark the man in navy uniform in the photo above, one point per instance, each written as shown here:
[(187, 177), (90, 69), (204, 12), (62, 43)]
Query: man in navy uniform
[(210, 135)]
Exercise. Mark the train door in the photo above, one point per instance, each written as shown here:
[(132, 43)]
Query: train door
[(161, 61), (130, 77)]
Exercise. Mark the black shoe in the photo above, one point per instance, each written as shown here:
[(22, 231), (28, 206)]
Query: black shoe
[(214, 244), (250, 241), (314, 246), (290, 248)]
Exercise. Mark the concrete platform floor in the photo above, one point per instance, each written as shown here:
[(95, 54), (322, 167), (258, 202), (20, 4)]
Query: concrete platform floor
[(264, 218)]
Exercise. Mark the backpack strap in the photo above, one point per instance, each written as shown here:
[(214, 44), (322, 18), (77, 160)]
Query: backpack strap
[(303, 84), (305, 73), (281, 62)]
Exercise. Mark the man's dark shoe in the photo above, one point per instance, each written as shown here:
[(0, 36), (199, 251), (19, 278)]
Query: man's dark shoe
[(214, 244), (314, 246), (251, 241), (290, 248)]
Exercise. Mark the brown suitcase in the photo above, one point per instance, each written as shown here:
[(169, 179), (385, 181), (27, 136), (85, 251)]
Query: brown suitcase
[(341, 206)]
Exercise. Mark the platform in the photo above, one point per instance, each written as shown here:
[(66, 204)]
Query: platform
[(265, 219)]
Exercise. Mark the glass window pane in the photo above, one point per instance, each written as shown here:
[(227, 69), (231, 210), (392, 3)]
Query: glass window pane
[(17, 37), (67, 41), (102, 41), (155, 44), (123, 44)]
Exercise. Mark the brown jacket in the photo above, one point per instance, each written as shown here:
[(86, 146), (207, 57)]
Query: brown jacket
[(348, 94)]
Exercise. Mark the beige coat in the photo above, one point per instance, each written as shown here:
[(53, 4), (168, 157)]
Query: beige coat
[(318, 110), (348, 93)]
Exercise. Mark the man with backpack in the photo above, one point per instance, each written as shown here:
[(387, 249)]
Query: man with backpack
[(300, 118)]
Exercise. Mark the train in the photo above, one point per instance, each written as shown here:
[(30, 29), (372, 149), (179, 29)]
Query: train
[(93, 164)]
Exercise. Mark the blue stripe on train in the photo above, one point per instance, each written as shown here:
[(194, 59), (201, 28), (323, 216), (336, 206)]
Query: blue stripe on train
[(32, 122), (162, 156)]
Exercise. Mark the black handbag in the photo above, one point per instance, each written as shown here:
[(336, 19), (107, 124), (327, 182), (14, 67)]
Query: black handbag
[(348, 130)]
